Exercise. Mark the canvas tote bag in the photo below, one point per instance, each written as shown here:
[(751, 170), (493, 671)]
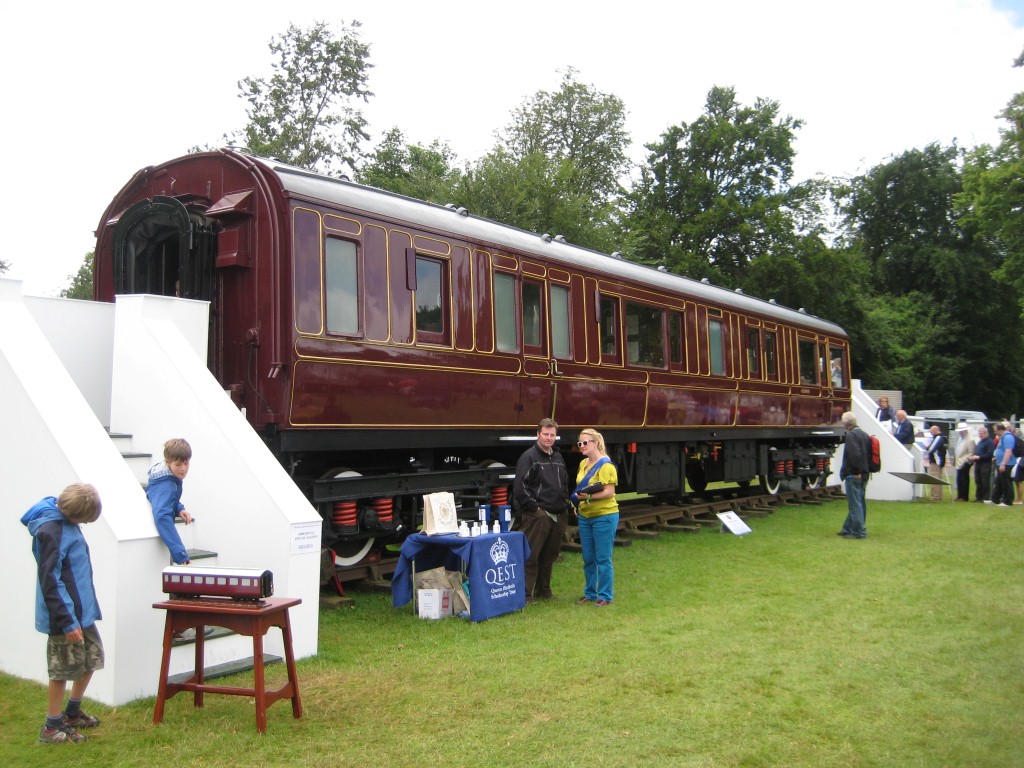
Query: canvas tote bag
[(439, 514)]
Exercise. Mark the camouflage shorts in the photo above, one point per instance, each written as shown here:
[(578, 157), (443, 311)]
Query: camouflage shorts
[(72, 661)]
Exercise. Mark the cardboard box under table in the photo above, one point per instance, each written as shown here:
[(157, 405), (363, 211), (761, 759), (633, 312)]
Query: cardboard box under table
[(494, 563)]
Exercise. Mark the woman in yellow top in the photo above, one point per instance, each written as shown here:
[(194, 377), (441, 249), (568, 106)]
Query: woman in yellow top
[(598, 518)]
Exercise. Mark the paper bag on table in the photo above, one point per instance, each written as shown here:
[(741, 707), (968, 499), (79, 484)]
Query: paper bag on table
[(439, 515)]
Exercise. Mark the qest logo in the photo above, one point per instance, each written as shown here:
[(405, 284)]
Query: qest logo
[(503, 571)]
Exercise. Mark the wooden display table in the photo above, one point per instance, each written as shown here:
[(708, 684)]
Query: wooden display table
[(251, 619)]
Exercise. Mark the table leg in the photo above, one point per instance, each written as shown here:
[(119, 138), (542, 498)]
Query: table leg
[(165, 665), (259, 681), (200, 674), (289, 658)]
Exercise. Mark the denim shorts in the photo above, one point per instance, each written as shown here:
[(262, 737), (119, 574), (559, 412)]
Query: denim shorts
[(72, 661)]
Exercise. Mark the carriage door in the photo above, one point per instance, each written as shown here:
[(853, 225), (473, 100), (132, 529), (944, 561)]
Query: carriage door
[(162, 248), (810, 402), (538, 385)]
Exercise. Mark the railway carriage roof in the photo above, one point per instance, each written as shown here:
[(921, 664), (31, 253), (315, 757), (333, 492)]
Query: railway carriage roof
[(440, 218)]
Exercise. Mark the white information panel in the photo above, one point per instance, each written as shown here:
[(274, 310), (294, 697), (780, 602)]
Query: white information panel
[(305, 538), (733, 522)]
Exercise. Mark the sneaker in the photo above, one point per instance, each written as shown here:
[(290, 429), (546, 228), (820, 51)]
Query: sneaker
[(989, 501), (83, 720), (602, 603), (63, 735), (1002, 504), (584, 601)]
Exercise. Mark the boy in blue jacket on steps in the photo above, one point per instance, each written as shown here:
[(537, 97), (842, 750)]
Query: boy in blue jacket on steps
[(164, 492)]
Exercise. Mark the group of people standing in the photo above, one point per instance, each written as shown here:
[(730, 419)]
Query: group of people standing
[(997, 466), (543, 503), (994, 460)]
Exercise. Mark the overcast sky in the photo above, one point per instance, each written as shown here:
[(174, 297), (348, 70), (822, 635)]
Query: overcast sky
[(95, 91)]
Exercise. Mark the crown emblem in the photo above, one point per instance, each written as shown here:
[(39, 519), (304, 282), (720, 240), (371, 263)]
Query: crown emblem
[(446, 511), (499, 552)]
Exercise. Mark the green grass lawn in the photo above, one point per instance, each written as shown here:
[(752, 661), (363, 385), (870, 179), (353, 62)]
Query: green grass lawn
[(787, 647)]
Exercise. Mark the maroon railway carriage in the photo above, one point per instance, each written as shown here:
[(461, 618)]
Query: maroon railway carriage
[(385, 347)]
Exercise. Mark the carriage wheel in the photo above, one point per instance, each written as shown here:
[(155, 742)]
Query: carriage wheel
[(348, 553), (769, 483)]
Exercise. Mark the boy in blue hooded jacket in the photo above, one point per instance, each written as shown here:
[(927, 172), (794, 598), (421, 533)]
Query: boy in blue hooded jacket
[(164, 492), (66, 606)]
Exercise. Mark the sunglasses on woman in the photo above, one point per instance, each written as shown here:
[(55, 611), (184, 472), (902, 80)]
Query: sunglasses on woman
[(581, 443)]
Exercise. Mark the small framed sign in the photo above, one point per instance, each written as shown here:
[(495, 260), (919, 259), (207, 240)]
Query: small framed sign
[(733, 522)]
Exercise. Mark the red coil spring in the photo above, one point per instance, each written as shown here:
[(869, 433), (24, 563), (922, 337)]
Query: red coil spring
[(780, 468), (384, 509), (345, 514), (789, 468), (499, 495)]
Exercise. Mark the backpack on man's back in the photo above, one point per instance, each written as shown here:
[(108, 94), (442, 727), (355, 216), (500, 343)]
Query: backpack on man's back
[(874, 455)]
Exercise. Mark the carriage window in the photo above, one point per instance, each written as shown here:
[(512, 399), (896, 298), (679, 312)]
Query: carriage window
[(559, 321), (808, 361), (645, 335), (609, 330), (533, 317), (430, 298), (836, 370), (675, 338), (770, 364), (716, 353), (754, 353), (342, 287), (505, 312)]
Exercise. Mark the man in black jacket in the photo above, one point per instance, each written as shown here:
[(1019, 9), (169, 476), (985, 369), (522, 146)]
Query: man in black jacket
[(854, 474), (541, 499), (982, 461)]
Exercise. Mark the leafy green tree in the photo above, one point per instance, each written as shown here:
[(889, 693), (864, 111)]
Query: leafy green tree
[(715, 195), (579, 124), (556, 166), (938, 325), (4, 266), (992, 201), (534, 193), (427, 173), (304, 113), (81, 282)]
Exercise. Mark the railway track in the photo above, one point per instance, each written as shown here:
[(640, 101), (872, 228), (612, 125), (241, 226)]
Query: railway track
[(640, 519)]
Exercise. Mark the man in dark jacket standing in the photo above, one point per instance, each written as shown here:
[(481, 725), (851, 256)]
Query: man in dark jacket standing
[(982, 460), (854, 474), (541, 496)]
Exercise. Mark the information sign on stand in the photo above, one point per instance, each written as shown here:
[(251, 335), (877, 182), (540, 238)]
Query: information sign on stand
[(733, 522)]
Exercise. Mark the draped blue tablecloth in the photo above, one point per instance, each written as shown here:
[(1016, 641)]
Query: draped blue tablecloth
[(494, 562)]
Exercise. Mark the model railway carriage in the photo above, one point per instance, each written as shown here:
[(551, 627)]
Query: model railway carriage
[(385, 347), (236, 583)]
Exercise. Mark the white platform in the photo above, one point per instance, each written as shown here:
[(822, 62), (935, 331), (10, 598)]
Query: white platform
[(70, 368)]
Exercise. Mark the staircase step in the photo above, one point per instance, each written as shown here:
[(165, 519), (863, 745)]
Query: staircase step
[(200, 554), (227, 668)]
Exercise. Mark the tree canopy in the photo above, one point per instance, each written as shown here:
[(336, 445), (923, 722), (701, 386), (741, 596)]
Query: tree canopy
[(304, 113), (715, 195)]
